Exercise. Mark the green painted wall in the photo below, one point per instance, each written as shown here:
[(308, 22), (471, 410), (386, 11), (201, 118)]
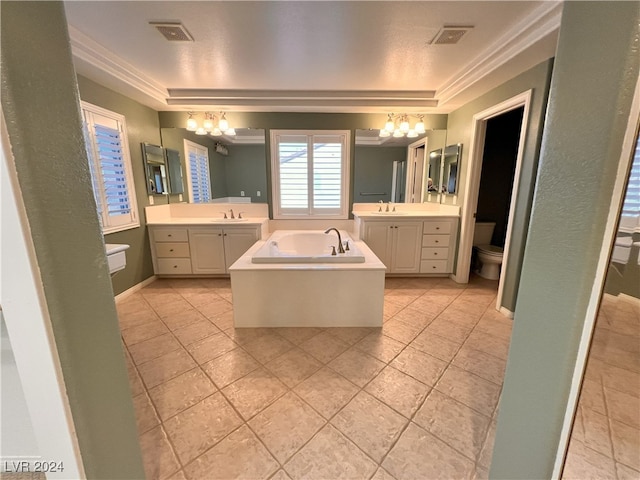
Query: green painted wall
[(459, 131), (142, 126), (246, 168), (373, 172), (40, 104), (594, 78)]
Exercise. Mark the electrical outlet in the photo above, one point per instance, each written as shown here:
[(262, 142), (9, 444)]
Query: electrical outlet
[(242, 193), (258, 193)]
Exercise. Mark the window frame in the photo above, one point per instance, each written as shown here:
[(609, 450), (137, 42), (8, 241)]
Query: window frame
[(344, 137), (187, 145), (109, 223)]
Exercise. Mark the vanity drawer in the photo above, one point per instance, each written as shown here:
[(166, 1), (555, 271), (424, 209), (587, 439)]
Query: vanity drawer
[(167, 249), (435, 240), (436, 227), (173, 266), (170, 235), (433, 266), (435, 253)]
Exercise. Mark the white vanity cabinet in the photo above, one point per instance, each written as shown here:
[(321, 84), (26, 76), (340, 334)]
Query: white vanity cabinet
[(438, 245), (396, 243), (199, 250)]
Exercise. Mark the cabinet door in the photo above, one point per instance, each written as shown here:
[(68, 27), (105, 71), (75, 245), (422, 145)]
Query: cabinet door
[(237, 241), (207, 250), (377, 236), (407, 247)]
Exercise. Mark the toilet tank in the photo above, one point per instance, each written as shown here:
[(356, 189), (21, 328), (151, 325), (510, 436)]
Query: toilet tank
[(483, 233)]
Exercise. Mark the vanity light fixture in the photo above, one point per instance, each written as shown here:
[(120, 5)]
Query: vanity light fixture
[(398, 126), (210, 126)]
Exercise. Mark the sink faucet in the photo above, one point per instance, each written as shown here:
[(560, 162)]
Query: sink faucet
[(231, 210), (381, 202), (340, 247)]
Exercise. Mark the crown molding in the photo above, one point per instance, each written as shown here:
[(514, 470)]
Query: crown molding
[(543, 21), (88, 50)]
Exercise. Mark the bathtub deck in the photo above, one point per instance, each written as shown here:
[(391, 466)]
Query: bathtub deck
[(308, 295)]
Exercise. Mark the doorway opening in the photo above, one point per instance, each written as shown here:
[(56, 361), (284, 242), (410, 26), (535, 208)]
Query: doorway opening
[(492, 182)]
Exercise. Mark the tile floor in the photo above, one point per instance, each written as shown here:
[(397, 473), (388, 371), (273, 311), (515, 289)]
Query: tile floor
[(416, 398), (605, 442)]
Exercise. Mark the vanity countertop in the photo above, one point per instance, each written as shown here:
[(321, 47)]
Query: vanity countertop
[(411, 215), (202, 221)]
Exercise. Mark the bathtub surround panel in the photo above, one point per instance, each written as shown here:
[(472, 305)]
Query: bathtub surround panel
[(40, 104), (307, 294), (594, 79)]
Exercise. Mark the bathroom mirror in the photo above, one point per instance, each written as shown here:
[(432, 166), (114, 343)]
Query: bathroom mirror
[(451, 164), (174, 168), (434, 172), (156, 169)]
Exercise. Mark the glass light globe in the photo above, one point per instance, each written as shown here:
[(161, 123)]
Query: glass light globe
[(419, 128), (201, 131), (216, 132), (412, 134), (230, 131), (404, 125), (384, 133), (389, 126), (192, 124), (208, 124), (223, 124), (398, 133)]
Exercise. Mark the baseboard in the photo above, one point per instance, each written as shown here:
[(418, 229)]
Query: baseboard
[(507, 313), (135, 288)]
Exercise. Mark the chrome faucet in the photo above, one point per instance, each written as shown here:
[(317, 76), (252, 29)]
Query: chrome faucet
[(381, 202), (340, 247), (231, 210)]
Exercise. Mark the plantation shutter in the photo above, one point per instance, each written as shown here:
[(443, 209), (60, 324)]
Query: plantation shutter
[(199, 180), (631, 205)]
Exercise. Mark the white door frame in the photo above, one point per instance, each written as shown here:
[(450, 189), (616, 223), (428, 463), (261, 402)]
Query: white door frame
[(472, 187), (411, 149)]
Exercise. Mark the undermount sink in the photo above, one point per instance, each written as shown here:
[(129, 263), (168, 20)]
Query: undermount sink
[(228, 220), (116, 257)]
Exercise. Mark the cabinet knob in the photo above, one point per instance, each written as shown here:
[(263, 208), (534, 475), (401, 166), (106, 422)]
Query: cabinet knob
[(437, 228), (436, 254), (169, 235), (175, 266), (433, 267), (171, 249), (437, 241), (219, 234)]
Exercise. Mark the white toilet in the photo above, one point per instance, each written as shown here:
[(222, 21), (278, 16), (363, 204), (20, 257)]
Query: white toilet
[(489, 257)]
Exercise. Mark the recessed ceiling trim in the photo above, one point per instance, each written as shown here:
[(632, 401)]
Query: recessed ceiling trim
[(90, 51), (369, 95), (540, 23), (300, 102)]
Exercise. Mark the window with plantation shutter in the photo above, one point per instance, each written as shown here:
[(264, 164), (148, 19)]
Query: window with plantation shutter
[(630, 218), (198, 177), (110, 167), (310, 174)]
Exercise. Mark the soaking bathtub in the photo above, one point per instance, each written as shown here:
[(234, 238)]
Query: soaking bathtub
[(296, 282), (302, 246)]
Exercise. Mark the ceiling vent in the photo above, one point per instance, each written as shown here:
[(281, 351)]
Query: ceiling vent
[(450, 35), (174, 32)]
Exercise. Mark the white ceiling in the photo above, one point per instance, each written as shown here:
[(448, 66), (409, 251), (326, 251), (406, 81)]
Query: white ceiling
[(309, 56)]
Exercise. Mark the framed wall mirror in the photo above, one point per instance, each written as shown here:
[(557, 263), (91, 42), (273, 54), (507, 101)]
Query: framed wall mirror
[(451, 164), (433, 174), (163, 169)]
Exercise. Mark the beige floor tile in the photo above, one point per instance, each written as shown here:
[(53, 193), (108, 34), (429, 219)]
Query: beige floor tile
[(280, 475), (195, 331), (137, 387), (246, 335), (482, 364), (380, 346), (132, 304), (214, 307), (449, 330), (137, 318), (326, 391), (330, 455), (157, 455), (382, 474), (297, 335), (398, 390), (484, 460), (496, 324), (138, 334), (183, 318), (166, 367), (286, 425), (401, 331), (167, 310), (179, 475), (626, 473), (153, 348), (626, 444), (419, 317), (351, 335), (592, 396), (623, 407), (421, 366), (370, 424), (268, 347), (223, 321), (227, 368), (356, 366), (211, 347), (596, 434), (146, 417), (181, 392), (453, 423), (202, 300), (475, 392), (582, 463), (434, 303), (293, 366), (419, 454), (435, 345), (390, 308), (324, 347), (159, 297), (496, 346), (238, 456), (201, 426), (254, 392)]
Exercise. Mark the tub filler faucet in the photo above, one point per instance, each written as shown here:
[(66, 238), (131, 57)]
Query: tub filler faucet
[(340, 247)]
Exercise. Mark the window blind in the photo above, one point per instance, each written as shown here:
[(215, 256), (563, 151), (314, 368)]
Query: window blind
[(199, 180)]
